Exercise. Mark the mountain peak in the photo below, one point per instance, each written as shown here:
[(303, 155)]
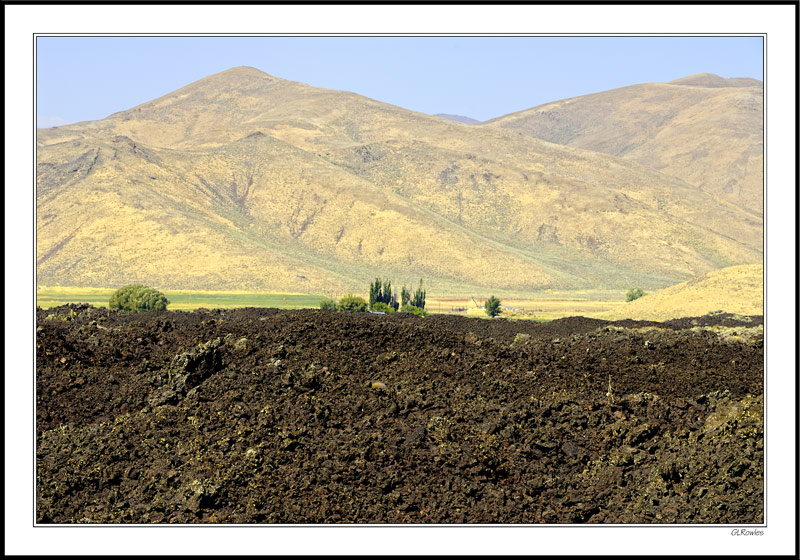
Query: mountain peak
[(238, 73), (698, 77), (244, 71), (203, 91)]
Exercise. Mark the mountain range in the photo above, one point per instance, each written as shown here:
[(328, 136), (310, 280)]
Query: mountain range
[(242, 180)]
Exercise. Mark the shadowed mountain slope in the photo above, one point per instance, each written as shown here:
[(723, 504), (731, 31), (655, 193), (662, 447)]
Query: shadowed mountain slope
[(457, 118), (242, 180), (703, 129)]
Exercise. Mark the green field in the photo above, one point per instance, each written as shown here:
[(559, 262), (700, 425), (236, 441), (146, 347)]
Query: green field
[(179, 300)]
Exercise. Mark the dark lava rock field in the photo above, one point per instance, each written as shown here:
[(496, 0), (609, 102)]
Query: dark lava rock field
[(266, 416)]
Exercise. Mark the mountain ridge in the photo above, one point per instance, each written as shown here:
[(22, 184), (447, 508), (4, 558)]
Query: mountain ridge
[(264, 183), (692, 128)]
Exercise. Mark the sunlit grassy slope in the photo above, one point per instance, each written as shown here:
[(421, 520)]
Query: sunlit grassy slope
[(736, 289)]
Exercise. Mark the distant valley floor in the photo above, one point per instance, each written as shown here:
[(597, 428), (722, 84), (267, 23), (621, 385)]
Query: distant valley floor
[(544, 306)]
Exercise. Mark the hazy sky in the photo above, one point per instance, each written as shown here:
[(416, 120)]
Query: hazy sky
[(88, 78)]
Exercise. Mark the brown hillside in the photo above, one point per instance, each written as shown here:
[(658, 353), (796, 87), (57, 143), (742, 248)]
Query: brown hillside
[(242, 180), (703, 129)]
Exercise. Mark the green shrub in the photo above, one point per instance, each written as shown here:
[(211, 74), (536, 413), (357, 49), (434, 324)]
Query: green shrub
[(352, 303), (328, 305), (136, 297), (408, 308), (634, 293), (382, 307), (492, 307)]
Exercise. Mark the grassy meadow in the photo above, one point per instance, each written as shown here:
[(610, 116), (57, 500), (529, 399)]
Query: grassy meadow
[(184, 300)]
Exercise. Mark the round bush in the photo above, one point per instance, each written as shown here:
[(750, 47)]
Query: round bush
[(327, 305), (408, 308), (136, 297), (352, 303), (634, 293)]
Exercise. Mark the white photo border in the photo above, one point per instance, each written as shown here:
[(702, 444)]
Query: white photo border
[(775, 21)]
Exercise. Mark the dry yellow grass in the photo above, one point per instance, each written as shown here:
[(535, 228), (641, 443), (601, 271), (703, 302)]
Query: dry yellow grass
[(736, 289), (532, 309)]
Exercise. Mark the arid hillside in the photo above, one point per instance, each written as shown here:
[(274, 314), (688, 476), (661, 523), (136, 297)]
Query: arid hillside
[(736, 289), (246, 181), (703, 129)]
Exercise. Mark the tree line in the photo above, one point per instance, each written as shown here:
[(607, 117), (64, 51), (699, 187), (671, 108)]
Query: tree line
[(382, 299)]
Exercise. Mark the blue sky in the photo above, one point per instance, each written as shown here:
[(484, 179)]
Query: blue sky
[(88, 78)]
